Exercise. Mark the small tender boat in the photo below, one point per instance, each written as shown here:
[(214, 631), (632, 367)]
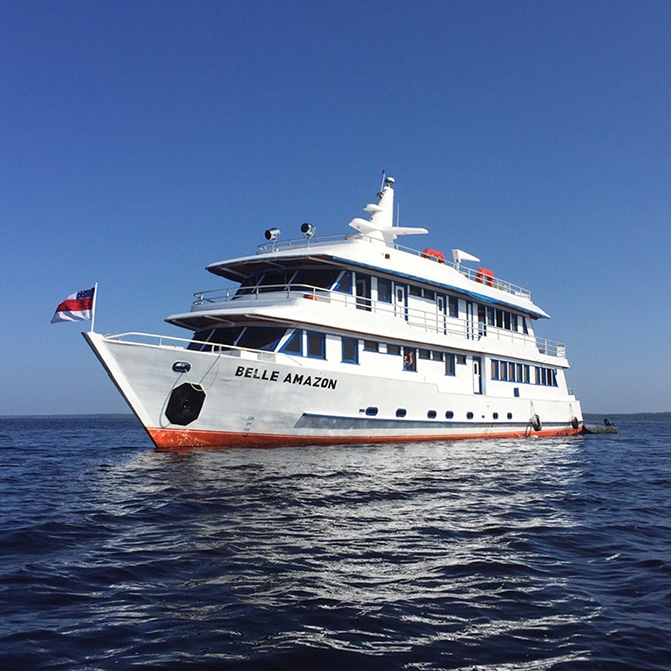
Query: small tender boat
[(347, 339)]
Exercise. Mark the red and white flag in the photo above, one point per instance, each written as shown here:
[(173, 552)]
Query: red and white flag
[(76, 307)]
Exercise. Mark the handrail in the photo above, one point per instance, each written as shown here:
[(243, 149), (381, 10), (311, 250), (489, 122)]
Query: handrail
[(430, 322), (217, 348), (469, 273)]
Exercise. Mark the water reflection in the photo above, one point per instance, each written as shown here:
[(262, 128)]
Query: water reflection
[(384, 548)]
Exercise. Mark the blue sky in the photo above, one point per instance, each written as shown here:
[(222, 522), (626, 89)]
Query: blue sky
[(143, 140)]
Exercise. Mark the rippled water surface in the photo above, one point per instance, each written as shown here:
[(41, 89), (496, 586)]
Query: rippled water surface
[(474, 555)]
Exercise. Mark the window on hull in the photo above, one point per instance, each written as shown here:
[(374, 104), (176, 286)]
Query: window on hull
[(316, 345), (510, 371), (350, 350), (546, 377)]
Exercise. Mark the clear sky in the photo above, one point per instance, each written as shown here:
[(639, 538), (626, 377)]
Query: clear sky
[(141, 141)]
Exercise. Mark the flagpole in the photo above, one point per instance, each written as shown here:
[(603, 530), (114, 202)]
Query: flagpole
[(93, 307)]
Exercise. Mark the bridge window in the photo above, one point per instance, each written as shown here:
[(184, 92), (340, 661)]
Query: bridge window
[(220, 336), (261, 337), (294, 344), (275, 280), (314, 278), (344, 284)]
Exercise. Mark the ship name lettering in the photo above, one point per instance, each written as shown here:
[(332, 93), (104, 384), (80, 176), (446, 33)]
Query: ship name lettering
[(256, 374), (295, 378), (323, 382)]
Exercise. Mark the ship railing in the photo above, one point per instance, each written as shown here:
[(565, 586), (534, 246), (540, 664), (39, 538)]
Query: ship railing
[(474, 275), (430, 321), (182, 345), (295, 243)]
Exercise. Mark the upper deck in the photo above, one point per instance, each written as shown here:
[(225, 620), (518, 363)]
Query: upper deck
[(373, 247), (480, 275)]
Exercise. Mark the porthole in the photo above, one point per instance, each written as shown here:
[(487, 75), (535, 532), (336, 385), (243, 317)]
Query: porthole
[(510, 415), (371, 411), (431, 414), (401, 412), (469, 415), (449, 414), (495, 415)]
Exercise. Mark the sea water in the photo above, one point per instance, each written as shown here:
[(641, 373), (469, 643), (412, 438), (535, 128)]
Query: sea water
[(474, 555)]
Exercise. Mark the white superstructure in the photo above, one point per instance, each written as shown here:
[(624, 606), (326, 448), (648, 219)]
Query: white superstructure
[(350, 338)]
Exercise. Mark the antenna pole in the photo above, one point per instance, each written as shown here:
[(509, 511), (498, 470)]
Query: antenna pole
[(93, 307)]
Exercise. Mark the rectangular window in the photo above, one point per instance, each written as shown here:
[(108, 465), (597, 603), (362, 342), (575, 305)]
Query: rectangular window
[(384, 290), (371, 346), (414, 291), (461, 358), (499, 318), (409, 359), (482, 313), (453, 304), (350, 350), (449, 364), (316, 345), (495, 369), (506, 320), (363, 284), (424, 354), (437, 356), (394, 349), (513, 322), (429, 294)]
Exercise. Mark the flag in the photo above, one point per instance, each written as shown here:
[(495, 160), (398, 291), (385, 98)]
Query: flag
[(76, 307)]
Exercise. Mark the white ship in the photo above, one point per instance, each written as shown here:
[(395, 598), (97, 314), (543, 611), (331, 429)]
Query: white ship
[(347, 339)]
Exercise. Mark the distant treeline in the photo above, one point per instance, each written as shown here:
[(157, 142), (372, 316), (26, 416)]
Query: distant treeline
[(654, 416)]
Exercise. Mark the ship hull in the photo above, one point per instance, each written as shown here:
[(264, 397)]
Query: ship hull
[(188, 398)]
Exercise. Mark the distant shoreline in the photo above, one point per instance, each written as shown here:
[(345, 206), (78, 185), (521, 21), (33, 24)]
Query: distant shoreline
[(107, 415), (651, 416)]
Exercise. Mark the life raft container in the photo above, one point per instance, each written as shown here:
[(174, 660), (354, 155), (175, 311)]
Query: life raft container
[(433, 254), (484, 276)]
